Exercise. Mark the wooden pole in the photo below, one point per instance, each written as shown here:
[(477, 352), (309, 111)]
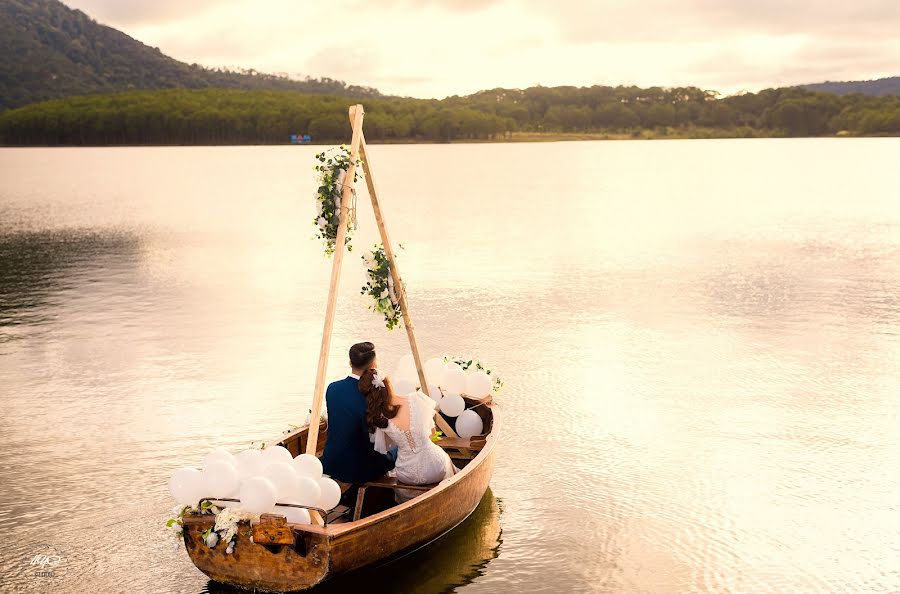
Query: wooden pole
[(399, 289), (356, 118)]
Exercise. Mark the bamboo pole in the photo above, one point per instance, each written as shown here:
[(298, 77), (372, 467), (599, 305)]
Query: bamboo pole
[(356, 118), (399, 289)]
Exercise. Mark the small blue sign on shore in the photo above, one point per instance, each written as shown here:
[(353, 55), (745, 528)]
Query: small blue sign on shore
[(301, 139)]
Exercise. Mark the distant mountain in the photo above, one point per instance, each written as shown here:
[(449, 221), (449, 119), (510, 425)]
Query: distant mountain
[(50, 51), (879, 87)]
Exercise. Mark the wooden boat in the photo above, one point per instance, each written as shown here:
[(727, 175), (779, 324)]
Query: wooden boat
[(382, 531), (292, 557), (453, 561)]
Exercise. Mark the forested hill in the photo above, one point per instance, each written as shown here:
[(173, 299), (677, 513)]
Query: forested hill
[(50, 50), (879, 87), (227, 116)]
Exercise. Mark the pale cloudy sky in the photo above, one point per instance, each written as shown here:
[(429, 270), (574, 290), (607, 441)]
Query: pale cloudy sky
[(435, 48)]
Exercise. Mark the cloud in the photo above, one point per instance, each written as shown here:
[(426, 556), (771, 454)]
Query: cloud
[(446, 5), (338, 62), (754, 63), (589, 21), (435, 48), (129, 12)]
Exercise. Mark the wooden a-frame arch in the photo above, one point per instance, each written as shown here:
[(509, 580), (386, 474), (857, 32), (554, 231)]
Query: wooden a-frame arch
[(357, 151)]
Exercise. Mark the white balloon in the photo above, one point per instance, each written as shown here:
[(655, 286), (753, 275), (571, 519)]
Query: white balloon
[(434, 392), (478, 384), (434, 369), (307, 492), (186, 486), (468, 424), (331, 493), (294, 515), (452, 404), (219, 454), (308, 465), (276, 453), (221, 478), (284, 477), (403, 386), (249, 463), (452, 365), (258, 495), (454, 380), (406, 368)]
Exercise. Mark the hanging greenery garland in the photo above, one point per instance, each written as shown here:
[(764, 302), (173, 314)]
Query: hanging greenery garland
[(380, 286), (332, 168)]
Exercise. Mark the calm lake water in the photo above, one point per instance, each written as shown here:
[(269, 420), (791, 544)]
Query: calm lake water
[(700, 342)]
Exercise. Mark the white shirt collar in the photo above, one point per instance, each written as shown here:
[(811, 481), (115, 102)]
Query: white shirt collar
[(354, 376)]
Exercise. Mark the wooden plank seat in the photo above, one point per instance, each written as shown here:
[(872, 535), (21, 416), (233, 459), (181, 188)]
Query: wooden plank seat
[(388, 482), (473, 443), (338, 514), (385, 482)]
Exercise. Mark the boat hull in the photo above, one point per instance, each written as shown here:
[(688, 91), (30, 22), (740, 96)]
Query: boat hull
[(401, 531)]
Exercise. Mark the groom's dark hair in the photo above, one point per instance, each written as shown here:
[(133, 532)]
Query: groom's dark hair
[(361, 354)]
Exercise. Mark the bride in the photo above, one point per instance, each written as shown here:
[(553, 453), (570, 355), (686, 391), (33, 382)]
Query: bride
[(408, 423)]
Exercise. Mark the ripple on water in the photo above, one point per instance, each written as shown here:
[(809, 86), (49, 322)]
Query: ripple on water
[(701, 376)]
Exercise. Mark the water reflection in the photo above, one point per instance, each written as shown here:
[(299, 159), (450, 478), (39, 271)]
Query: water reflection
[(778, 281), (36, 266), (455, 560)]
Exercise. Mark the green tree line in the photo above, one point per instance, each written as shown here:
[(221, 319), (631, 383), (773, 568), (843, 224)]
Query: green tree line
[(228, 116)]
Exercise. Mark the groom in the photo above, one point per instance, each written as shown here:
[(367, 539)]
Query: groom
[(349, 456)]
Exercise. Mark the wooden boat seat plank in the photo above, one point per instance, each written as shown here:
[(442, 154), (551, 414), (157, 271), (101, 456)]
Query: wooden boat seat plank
[(384, 482), (387, 482), (338, 513), (462, 443)]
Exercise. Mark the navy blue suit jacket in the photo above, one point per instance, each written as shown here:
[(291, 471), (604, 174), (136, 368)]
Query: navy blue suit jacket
[(349, 456)]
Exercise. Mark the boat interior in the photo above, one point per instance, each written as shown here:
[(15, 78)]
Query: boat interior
[(361, 500)]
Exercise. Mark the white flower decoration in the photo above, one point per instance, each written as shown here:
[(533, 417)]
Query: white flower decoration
[(322, 222), (377, 380), (390, 289)]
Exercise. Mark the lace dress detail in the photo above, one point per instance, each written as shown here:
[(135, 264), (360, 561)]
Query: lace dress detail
[(419, 460)]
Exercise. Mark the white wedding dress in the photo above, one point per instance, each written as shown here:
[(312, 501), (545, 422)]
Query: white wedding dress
[(420, 461)]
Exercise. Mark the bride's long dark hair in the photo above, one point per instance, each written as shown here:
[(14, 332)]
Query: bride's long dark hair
[(378, 400)]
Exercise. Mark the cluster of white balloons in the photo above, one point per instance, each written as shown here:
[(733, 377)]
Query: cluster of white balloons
[(447, 382), (261, 480)]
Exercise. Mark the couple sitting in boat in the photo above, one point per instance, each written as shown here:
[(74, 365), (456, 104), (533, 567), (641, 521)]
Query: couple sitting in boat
[(363, 406)]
